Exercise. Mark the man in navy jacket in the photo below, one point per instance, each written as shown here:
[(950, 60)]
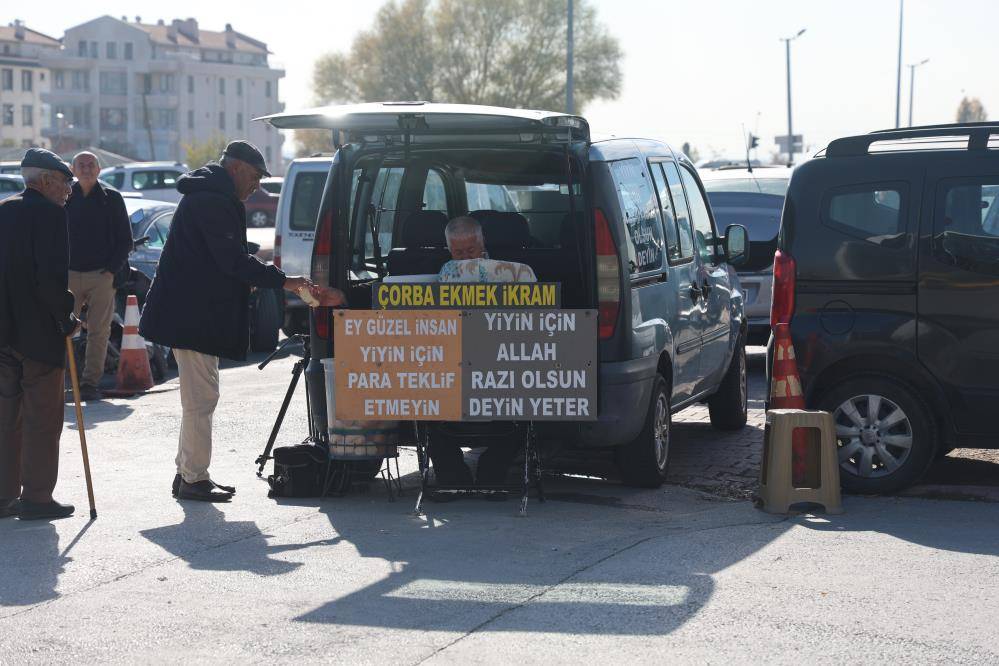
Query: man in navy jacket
[(198, 303), (36, 315)]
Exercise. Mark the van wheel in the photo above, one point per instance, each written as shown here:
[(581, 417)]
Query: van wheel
[(259, 219), (645, 461), (728, 407), (885, 434), (266, 321)]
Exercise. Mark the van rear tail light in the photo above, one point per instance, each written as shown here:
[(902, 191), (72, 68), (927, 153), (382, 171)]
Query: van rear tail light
[(321, 268), (782, 305), (277, 250), (608, 277)]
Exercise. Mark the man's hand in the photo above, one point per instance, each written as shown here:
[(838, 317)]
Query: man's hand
[(293, 283), (329, 297)]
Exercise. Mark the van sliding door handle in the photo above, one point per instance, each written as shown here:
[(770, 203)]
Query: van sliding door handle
[(706, 288), (695, 292)]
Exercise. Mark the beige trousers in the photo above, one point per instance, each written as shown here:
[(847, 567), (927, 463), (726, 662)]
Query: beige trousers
[(199, 394), (96, 290)]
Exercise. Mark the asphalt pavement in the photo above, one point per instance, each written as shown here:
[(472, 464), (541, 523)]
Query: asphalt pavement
[(598, 573)]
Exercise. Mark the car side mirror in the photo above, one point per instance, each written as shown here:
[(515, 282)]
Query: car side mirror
[(252, 247), (139, 242), (736, 245)]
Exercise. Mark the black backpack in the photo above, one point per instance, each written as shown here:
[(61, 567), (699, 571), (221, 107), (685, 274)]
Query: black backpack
[(299, 471)]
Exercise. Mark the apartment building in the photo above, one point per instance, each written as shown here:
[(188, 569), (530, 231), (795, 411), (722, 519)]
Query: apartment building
[(147, 90), (23, 81)]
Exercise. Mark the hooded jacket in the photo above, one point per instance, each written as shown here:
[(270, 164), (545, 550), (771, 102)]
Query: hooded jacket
[(199, 299)]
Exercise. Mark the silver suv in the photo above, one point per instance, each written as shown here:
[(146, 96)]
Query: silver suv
[(152, 180)]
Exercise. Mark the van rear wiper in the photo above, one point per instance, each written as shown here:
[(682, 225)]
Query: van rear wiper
[(376, 244)]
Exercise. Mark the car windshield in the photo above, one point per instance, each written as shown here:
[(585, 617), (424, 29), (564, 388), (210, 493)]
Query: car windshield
[(777, 186), (759, 213)]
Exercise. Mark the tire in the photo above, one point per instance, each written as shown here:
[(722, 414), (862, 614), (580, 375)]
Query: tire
[(266, 322), (912, 430), (728, 407), (259, 219), (644, 462)]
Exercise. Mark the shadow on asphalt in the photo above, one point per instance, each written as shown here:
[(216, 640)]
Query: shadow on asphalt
[(31, 573), (97, 412)]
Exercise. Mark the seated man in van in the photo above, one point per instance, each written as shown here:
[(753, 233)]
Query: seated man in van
[(470, 263), (469, 260)]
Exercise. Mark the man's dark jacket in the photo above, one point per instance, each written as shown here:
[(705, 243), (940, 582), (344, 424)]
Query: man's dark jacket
[(100, 235), (36, 306), (199, 299)]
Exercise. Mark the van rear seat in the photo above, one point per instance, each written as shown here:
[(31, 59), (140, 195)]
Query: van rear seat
[(425, 247)]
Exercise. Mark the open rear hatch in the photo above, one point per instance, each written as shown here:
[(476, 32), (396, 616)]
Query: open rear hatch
[(377, 120)]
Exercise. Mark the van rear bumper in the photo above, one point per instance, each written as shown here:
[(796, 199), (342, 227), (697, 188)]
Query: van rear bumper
[(625, 391)]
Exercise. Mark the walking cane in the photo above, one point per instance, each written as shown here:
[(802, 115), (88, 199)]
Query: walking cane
[(79, 425)]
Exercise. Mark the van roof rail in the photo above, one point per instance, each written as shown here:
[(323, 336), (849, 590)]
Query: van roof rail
[(978, 135)]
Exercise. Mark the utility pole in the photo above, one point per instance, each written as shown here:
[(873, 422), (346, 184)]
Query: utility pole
[(912, 84), (790, 127), (570, 106), (898, 79)]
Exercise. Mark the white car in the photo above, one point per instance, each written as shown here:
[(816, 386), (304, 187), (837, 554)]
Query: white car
[(295, 230), (152, 180)]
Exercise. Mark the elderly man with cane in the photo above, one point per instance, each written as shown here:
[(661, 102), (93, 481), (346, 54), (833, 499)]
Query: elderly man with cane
[(36, 315), (198, 303)]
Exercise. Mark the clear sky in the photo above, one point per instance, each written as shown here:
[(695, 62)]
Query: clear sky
[(693, 71)]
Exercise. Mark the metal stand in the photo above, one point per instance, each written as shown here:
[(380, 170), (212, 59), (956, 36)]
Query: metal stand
[(296, 373), (532, 470)]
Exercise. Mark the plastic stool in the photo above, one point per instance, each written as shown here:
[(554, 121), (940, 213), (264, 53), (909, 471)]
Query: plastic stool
[(777, 492)]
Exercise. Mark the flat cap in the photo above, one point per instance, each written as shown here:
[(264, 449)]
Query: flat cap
[(45, 159), (247, 152)]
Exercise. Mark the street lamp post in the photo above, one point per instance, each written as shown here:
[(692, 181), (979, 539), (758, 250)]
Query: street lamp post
[(898, 78), (570, 105), (912, 83), (790, 128)]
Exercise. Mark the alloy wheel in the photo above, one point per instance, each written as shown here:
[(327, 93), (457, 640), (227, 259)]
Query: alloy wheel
[(660, 432), (874, 436)]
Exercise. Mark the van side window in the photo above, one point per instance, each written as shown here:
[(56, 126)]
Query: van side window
[(641, 218), (306, 195), (434, 194), (966, 226), (685, 235), (384, 202), (669, 216), (704, 232), (872, 212)]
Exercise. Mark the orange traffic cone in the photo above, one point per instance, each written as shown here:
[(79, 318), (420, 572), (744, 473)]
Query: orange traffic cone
[(785, 393), (134, 373)]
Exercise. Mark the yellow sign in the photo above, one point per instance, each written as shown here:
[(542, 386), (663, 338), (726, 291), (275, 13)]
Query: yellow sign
[(438, 295)]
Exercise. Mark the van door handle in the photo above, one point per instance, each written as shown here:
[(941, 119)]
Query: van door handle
[(706, 288), (695, 292)]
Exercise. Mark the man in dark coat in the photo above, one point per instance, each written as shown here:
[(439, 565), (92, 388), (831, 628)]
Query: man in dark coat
[(36, 315), (100, 239), (198, 303)]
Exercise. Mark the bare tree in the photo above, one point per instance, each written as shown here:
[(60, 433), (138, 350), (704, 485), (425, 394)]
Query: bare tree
[(970, 110)]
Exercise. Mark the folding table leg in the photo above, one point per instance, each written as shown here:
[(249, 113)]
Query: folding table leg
[(528, 448), (422, 456)]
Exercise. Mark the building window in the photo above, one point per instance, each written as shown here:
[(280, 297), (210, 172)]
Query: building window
[(167, 83), (267, 88), (190, 85), (8, 114), (146, 83), (82, 49), (27, 80), (60, 79), (221, 86), (128, 50), (112, 51), (81, 80), (114, 119), (239, 121), (113, 83), (7, 79), (239, 87), (190, 120), (221, 120), (27, 115), (93, 49)]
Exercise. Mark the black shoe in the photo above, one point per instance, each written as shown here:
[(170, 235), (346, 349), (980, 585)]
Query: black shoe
[(10, 508), (88, 392), (45, 510), (176, 485), (226, 489), (202, 491)]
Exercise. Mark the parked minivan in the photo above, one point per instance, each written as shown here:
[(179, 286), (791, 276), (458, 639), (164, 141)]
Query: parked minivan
[(887, 271), (152, 180), (623, 225)]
